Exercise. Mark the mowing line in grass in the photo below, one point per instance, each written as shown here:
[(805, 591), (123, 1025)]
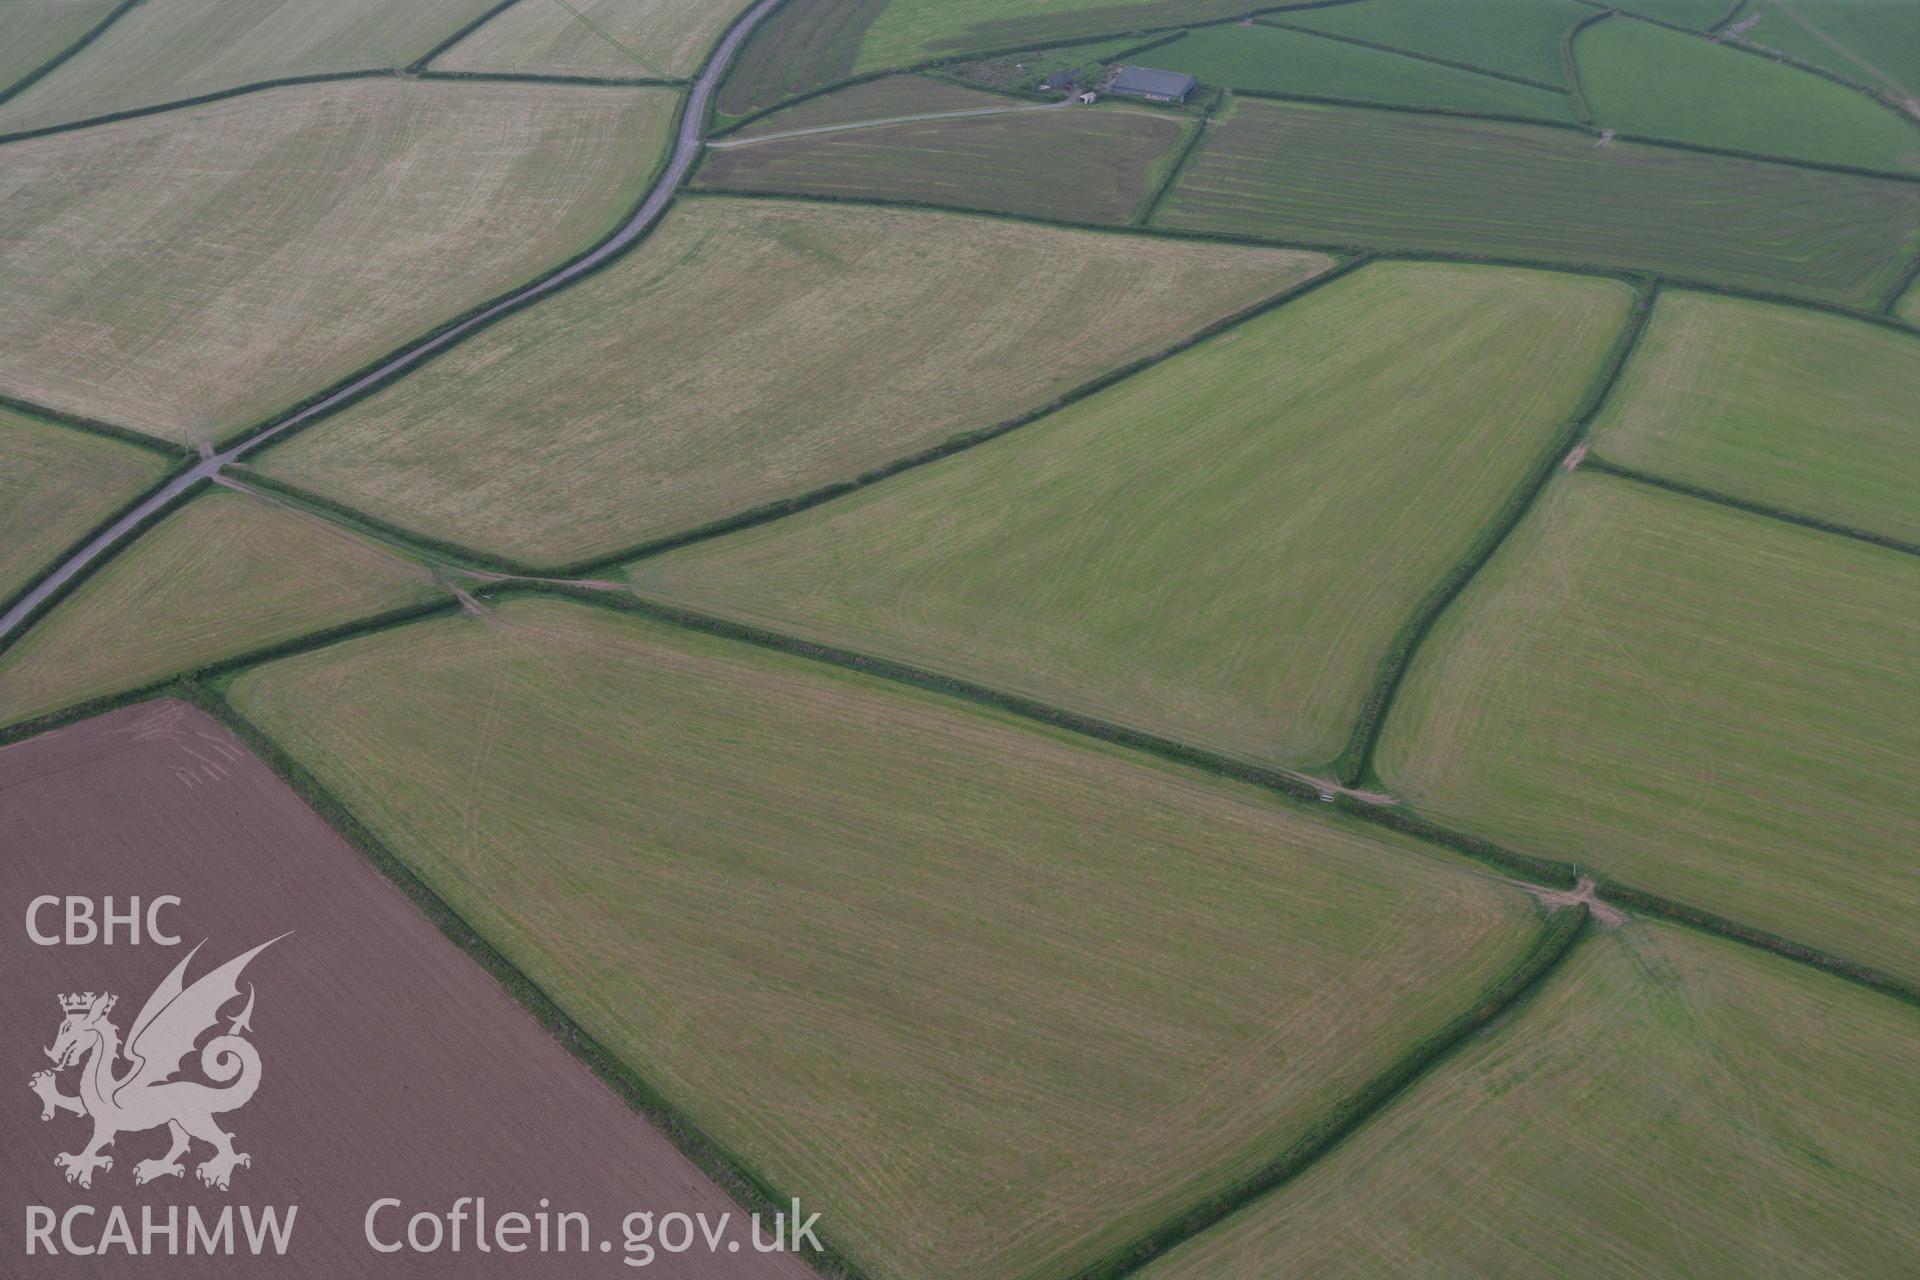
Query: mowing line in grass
[(1356, 761)]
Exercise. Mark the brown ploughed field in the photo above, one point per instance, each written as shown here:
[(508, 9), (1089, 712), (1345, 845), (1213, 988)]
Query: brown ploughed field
[(391, 1065)]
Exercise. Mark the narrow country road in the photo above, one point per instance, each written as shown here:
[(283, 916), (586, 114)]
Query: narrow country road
[(686, 146), (728, 144)]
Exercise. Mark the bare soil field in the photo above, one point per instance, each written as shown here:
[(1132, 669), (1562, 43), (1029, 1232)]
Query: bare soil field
[(166, 50), (391, 1065), (751, 351), (184, 274)]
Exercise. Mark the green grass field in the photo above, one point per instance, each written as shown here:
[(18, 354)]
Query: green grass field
[(1647, 80), (166, 50), (55, 484), (32, 31), (1278, 61), (1875, 42), (1702, 703), (187, 274), (990, 998), (1782, 406), (1519, 37), (1027, 68), (1219, 549), (796, 49), (1696, 14), (881, 99), (1393, 180), (1668, 1104), (226, 573), (909, 31), (753, 351), (594, 38), (1078, 164)]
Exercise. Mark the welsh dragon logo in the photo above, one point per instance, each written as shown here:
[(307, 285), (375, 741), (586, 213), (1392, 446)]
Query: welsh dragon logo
[(145, 1094)]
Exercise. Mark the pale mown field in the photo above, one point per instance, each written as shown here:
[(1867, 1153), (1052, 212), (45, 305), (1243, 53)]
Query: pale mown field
[(1703, 703), (659, 38), (1667, 1105), (751, 351), (55, 483), (188, 273), (991, 998), (1219, 549), (224, 574), (166, 50), (1777, 405), (32, 31)]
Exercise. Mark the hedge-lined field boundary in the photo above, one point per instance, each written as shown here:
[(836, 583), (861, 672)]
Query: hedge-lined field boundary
[(1416, 55), (1684, 489), (1898, 290), (94, 426), (748, 1188), (1300, 788), (550, 77), (1571, 73), (767, 512), (106, 557), (52, 64), (1355, 761), (1556, 940), (419, 64), (454, 553), (199, 100)]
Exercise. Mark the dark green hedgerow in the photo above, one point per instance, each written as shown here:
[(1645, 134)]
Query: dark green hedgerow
[(1726, 19), (775, 510), (752, 1191), (919, 677), (1601, 465), (1707, 922), (25, 82), (1178, 167), (342, 514), (111, 430), (1563, 929), (1569, 72), (199, 100), (1355, 762)]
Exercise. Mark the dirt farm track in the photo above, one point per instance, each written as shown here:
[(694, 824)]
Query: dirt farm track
[(391, 1066)]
